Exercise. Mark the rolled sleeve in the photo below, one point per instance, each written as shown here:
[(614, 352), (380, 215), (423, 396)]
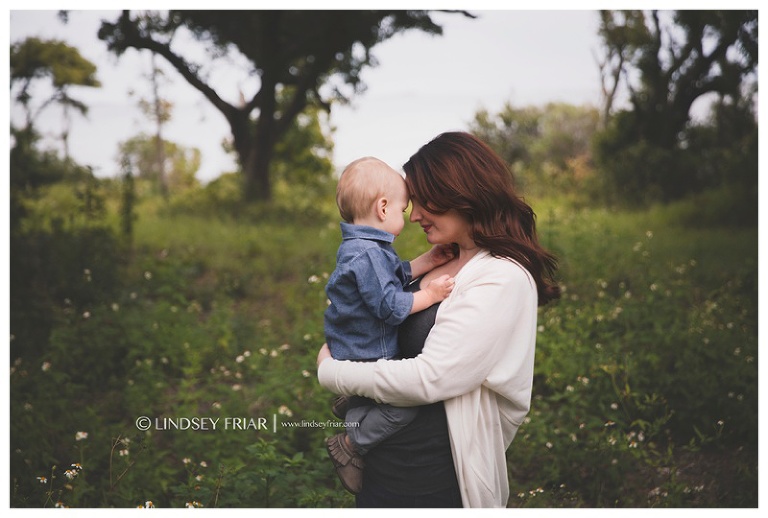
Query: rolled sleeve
[(407, 271)]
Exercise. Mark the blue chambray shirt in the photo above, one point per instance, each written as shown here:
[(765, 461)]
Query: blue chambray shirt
[(367, 301)]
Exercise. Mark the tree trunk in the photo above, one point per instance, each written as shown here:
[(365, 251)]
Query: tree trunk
[(256, 172), (159, 119), (254, 144), (262, 145)]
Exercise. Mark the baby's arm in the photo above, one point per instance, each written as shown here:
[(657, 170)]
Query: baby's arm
[(436, 291), (437, 255)]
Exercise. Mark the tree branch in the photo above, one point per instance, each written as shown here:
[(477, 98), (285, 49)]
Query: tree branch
[(133, 38)]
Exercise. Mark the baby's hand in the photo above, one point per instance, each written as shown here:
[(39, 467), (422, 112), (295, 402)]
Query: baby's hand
[(441, 254), (440, 288)]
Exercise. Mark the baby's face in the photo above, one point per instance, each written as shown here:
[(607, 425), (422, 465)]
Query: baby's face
[(397, 203)]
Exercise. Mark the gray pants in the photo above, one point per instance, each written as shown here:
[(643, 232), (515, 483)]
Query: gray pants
[(368, 423)]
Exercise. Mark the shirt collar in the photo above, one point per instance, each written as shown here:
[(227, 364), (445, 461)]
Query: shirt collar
[(350, 231)]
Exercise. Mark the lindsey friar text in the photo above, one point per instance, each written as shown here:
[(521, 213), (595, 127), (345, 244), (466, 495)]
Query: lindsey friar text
[(198, 423)]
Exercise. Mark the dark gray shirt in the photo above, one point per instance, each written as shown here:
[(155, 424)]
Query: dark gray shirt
[(416, 460)]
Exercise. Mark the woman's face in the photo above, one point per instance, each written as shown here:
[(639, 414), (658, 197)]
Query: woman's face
[(442, 229)]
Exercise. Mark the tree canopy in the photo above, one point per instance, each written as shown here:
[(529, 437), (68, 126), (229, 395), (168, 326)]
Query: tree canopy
[(547, 147), (666, 67), (667, 61), (298, 58), (33, 60)]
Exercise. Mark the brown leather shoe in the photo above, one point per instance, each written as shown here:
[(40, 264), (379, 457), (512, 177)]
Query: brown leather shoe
[(340, 406), (349, 465)]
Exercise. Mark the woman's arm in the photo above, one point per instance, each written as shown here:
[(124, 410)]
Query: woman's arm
[(344, 377), (484, 324)]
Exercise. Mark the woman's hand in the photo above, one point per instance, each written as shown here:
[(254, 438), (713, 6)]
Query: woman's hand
[(324, 354)]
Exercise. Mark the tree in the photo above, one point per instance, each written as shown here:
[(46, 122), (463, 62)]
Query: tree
[(667, 61), (171, 169), (318, 55), (32, 62), (625, 30), (34, 59), (676, 63), (302, 177), (545, 146), (158, 110), (303, 155)]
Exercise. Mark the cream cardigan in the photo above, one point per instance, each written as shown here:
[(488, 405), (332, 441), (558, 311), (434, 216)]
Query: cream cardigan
[(478, 358)]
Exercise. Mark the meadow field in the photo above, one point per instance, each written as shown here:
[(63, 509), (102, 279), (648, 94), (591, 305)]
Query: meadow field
[(172, 363)]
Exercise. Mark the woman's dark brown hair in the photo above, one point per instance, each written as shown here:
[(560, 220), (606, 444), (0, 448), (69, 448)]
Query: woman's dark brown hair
[(456, 170)]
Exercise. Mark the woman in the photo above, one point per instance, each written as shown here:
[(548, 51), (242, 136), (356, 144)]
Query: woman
[(478, 357)]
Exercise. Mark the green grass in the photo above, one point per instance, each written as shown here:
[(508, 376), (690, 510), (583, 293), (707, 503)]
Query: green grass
[(645, 390)]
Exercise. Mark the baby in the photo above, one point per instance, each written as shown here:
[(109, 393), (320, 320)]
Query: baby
[(367, 301)]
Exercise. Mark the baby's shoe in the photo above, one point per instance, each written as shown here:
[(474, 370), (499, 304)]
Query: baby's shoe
[(349, 465), (340, 406)]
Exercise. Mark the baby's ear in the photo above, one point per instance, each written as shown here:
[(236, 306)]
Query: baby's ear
[(381, 208)]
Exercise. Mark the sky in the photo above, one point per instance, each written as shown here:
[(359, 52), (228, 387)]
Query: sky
[(424, 85)]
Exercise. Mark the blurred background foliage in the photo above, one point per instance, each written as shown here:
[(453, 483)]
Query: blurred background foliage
[(150, 294)]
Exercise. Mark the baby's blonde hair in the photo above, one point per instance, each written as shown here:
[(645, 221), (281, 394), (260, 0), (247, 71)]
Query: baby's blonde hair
[(362, 182)]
